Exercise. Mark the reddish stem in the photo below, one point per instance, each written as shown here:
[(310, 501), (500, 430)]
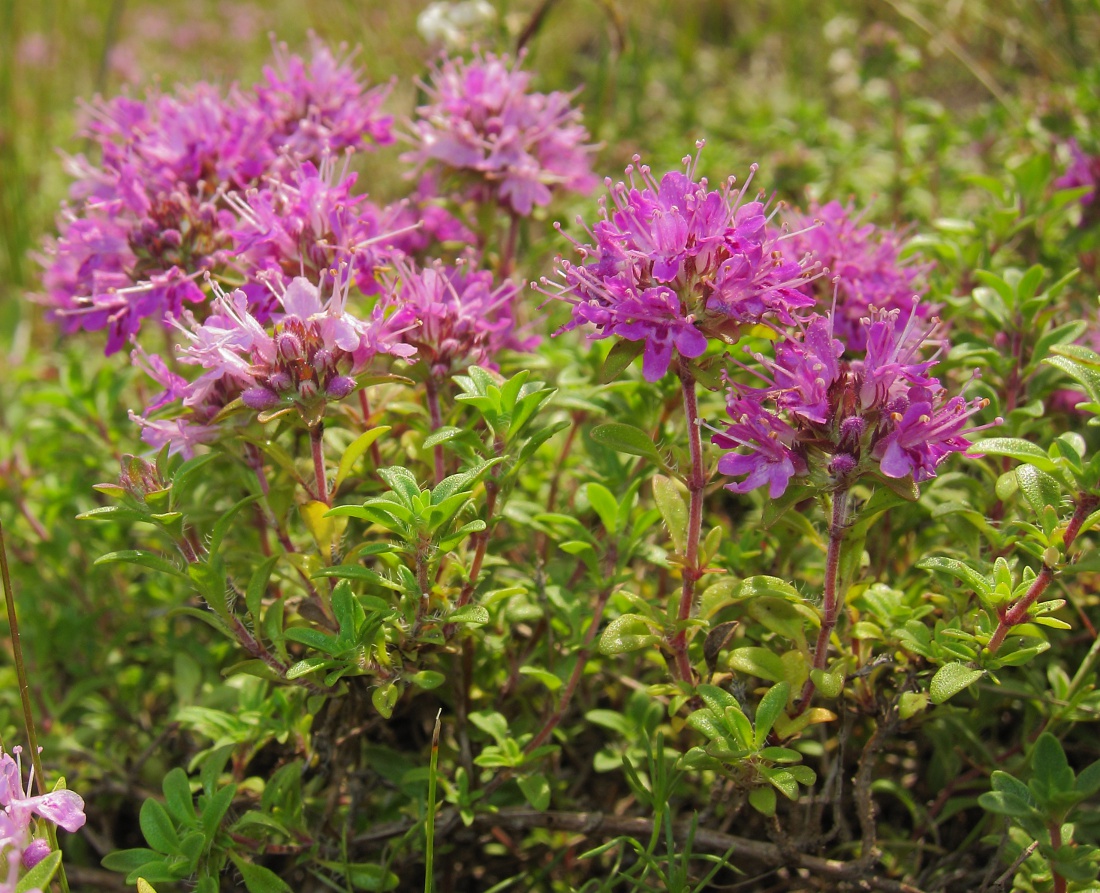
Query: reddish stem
[(696, 484), (1017, 614), (1056, 843), (831, 608), (575, 677)]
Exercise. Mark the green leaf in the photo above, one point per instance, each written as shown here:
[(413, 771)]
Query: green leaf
[(630, 632), (354, 452), (315, 638), (671, 505), (474, 614), (771, 708), (758, 662), (177, 795), (950, 679), (1088, 781), (384, 698), (142, 559), (626, 439), (1052, 771), (125, 861), (829, 684), (621, 355), (763, 800), (959, 571), (552, 682), (214, 808), (605, 505), (257, 878), (1015, 448), (257, 586), (536, 791), (1039, 488), (158, 828), (39, 877), (1086, 375)]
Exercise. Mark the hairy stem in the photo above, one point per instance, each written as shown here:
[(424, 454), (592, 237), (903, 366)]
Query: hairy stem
[(696, 484), (1017, 613), (830, 609), (1056, 843)]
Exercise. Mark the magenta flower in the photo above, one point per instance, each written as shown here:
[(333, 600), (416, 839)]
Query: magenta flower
[(320, 107), (64, 808), (154, 214), (674, 263), (771, 458), (834, 418), (462, 317), (512, 146), (1083, 170), (864, 263), (304, 356)]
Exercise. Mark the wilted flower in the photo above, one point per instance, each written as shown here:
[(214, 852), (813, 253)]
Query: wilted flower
[(822, 412), (513, 146), (674, 263), (863, 260)]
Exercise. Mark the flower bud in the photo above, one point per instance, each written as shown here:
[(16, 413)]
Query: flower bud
[(37, 850)]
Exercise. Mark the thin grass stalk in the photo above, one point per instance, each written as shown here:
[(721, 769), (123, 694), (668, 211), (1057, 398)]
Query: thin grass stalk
[(25, 697)]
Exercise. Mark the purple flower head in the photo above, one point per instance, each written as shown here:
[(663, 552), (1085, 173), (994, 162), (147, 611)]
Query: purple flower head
[(154, 213), (863, 260), (771, 458), (462, 316), (320, 106), (673, 263), (513, 146), (303, 356), (1083, 170), (306, 221), (835, 418)]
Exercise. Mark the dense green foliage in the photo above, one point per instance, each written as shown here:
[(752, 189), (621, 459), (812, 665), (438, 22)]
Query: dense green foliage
[(464, 676)]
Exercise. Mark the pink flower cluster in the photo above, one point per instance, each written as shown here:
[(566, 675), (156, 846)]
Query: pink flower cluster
[(1083, 170), (309, 356), (513, 146), (864, 261), (19, 848), (151, 217), (674, 263), (881, 413), (463, 317)]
